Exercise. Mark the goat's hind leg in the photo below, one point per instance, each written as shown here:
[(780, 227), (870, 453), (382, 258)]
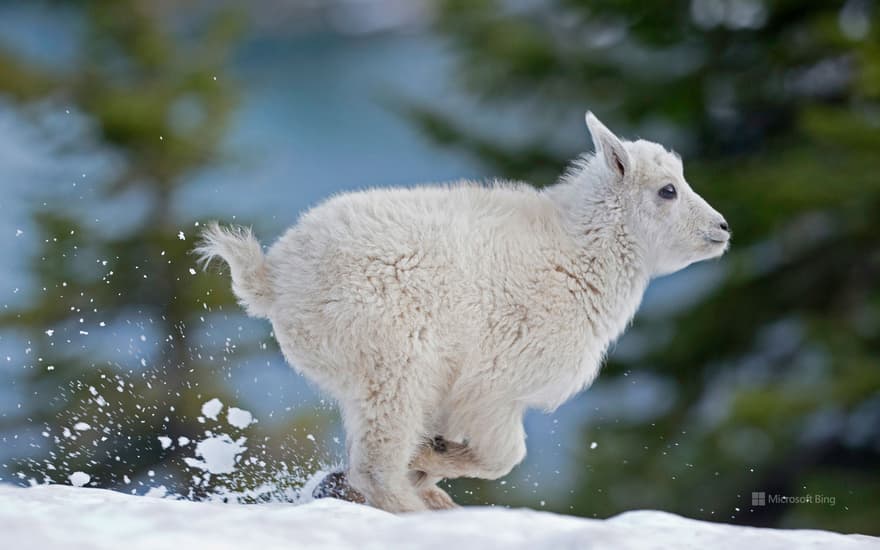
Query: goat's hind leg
[(382, 433)]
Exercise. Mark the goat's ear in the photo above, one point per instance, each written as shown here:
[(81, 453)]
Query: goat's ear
[(609, 146)]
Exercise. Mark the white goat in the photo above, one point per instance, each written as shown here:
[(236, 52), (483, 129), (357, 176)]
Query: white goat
[(448, 311)]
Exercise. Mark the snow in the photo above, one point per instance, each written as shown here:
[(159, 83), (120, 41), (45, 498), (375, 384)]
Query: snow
[(56, 516), (212, 408), (165, 441), (156, 492), (219, 453), (78, 479), (239, 418)]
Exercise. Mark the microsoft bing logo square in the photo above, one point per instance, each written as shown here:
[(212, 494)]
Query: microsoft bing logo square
[(759, 499)]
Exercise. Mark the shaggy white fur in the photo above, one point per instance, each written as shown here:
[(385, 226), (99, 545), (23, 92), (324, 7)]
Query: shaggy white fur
[(450, 310)]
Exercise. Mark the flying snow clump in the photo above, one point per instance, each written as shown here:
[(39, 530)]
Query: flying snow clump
[(239, 418), (219, 454), (78, 479), (212, 408)]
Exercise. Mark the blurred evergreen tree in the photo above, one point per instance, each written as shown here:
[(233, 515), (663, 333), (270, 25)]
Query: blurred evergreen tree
[(774, 374), (147, 78)]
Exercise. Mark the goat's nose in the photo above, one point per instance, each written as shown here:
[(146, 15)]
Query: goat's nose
[(724, 226)]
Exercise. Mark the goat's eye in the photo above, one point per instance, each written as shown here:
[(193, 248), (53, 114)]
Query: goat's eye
[(668, 192)]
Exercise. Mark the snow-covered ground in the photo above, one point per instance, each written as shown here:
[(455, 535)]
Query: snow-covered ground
[(55, 516)]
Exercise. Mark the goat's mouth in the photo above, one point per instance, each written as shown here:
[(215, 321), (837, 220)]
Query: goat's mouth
[(716, 238), (717, 244)]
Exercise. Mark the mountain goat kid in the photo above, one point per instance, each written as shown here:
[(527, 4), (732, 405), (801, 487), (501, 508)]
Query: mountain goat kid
[(437, 315)]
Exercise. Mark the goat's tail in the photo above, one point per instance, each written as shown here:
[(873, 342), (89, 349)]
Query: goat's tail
[(240, 249)]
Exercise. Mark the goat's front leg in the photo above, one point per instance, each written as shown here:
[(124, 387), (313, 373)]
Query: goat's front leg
[(426, 485), (495, 444), (439, 455)]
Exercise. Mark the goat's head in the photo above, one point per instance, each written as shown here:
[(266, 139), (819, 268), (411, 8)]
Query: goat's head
[(675, 226)]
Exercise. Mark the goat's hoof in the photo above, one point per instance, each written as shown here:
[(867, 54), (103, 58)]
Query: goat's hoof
[(335, 485), (436, 498)]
